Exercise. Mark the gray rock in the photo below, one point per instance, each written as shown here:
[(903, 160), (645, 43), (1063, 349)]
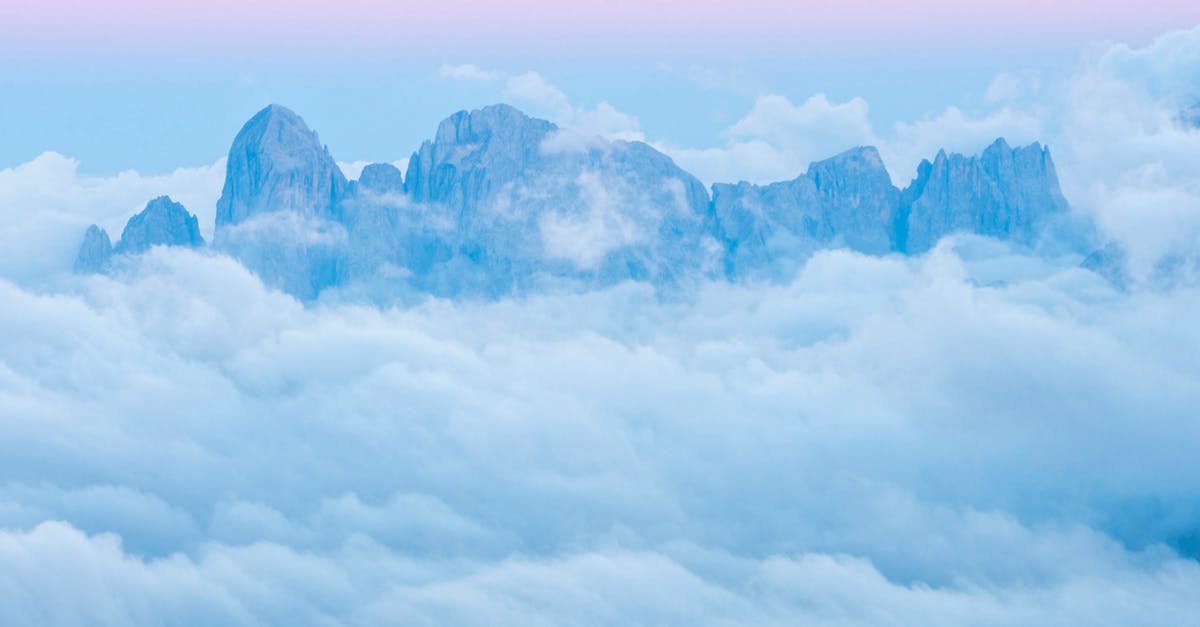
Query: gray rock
[(277, 164), (278, 210), (848, 200), (95, 253), (516, 201), (1009, 194), (162, 223), (1109, 262)]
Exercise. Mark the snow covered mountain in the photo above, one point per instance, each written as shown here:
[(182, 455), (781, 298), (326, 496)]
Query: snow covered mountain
[(499, 202)]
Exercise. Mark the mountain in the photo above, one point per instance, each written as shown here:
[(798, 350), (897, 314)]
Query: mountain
[(95, 253), (498, 203), (1005, 193), (277, 165), (162, 223), (514, 200), (848, 200), (1190, 116), (278, 209)]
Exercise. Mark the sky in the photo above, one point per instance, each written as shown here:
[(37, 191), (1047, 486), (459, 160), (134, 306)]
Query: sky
[(151, 86), (976, 435)]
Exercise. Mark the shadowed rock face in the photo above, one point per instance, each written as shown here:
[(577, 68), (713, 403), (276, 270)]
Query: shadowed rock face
[(162, 223), (95, 253), (1005, 193), (277, 164), (849, 200), (278, 210), (524, 200), (1190, 116)]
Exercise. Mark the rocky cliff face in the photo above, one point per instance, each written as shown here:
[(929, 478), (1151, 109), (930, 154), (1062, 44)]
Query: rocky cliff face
[(278, 210), (848, 200), (95, 253), (1005, 193), (162, 223), (276, 164), (524, 201)]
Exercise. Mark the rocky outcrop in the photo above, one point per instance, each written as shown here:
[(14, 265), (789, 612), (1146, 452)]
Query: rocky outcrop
[(278, 209), (523, 201), (95, 253), (1005, 193), (162, 223), (848, 200)]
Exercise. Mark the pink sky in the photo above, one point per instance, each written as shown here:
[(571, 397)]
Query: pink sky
[(587, 28)]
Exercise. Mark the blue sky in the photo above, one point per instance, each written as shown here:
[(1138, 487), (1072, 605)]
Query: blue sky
[(155, 119)]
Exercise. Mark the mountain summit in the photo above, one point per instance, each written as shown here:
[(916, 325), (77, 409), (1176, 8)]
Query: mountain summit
[(163, 222), (278, 210), (277, 164), (499, 202)]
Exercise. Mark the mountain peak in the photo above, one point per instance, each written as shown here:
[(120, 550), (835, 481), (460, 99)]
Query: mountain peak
[(479, 125), (95, 251), (1005, 192), (498, 142), (859, 158), (276, 163), (276, 116), (163, 222)]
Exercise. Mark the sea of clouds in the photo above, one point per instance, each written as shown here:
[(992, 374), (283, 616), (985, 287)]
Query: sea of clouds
[(973, 436)]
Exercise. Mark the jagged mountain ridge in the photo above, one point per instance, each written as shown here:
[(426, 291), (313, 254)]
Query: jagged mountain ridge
[(163, 222), (500, 202)]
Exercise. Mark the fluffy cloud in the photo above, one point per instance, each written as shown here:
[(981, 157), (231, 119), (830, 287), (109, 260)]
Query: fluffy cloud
[(467, 72), (532, 91), (1126, 156), (777, 140), (585, 239), (877, 438)]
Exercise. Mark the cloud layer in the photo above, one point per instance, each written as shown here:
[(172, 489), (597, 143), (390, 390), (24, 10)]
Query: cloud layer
[(880, 439)]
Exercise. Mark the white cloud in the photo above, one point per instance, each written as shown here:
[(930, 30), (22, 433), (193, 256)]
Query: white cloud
[(955, 131), (467, 72), (879, 438), (532, 91), (602, 228), (532, 88), (777, 139), (816, 126), (1123, 154)]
